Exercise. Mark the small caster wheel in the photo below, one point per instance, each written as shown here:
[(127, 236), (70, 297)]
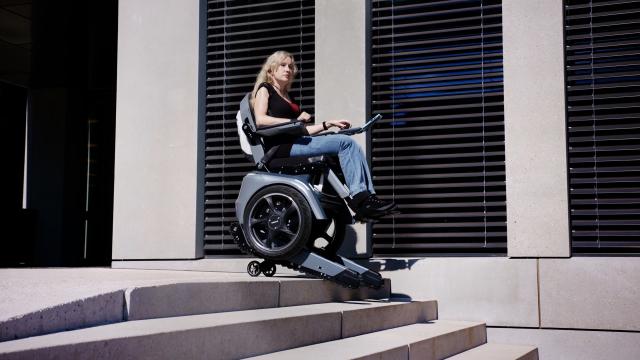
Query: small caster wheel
[(268, 268), (253, 268)]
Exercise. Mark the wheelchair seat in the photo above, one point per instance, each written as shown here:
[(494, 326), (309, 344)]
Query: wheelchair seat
[(253, 147), (252, 143)]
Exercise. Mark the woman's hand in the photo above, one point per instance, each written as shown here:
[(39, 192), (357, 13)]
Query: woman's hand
[(342, 124), (304, 117)]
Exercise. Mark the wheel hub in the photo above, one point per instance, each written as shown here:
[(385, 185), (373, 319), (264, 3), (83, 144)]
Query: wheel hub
[(275, 222)]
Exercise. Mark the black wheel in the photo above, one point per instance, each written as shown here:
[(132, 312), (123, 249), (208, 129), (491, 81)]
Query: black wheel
[(332, 231), (253, 268), (268, 268), (278, 219)]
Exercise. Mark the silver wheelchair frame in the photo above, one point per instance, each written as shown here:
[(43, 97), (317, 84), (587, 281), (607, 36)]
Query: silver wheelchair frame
[(293, 212)]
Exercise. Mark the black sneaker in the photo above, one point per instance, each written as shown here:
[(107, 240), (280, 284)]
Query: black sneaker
[(373, 208)]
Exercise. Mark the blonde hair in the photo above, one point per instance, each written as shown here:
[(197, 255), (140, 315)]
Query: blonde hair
[(269, 66)]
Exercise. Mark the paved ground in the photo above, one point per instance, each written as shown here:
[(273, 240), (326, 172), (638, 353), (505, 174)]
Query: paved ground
[(26, 290)]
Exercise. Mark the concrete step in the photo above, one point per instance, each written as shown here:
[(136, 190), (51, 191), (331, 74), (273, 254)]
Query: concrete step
[(499, 352), (177, 299), (433, 340), (170, 300), (225, 335)]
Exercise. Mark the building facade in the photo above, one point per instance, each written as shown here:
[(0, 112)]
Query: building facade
[(510, 141)]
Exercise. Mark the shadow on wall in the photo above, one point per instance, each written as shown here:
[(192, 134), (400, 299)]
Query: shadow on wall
[(391, 264)]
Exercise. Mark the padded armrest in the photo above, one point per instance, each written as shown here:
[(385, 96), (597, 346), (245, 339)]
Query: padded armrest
[(293, 128)]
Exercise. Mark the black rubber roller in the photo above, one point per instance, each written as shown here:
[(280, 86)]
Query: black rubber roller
[(348, 278), (372, 279)]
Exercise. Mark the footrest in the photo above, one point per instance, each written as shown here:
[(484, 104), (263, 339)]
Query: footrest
[(367, 276), (314, 264)]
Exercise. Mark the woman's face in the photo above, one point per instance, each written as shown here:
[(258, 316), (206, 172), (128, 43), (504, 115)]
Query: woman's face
[(283, 72)]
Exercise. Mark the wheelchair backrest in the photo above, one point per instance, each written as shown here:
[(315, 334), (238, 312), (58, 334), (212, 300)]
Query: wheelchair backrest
[(251, 147)]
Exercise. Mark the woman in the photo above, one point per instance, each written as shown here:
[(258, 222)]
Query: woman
[(273, 105)]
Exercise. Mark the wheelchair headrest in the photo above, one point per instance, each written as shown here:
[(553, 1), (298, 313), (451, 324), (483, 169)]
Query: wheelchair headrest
[(244, 142), (245, 116)]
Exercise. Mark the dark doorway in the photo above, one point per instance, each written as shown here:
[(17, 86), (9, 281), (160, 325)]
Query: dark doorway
[(17, 244), (62, 61)]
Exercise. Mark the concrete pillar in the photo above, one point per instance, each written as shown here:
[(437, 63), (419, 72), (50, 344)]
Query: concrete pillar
[(535, 129), (156, 188), (341, 75)]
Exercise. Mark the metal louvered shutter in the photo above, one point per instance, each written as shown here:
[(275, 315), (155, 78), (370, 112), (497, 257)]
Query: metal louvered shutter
[(439, 151), (240, 36), (603, 98)]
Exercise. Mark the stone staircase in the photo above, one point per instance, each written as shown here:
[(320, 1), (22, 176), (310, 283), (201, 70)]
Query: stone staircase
[(279, 319)]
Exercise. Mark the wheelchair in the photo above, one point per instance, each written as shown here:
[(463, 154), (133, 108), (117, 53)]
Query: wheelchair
[(292, 211)]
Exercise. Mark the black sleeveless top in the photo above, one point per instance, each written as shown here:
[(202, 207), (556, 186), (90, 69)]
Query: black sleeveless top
[(280, 108)]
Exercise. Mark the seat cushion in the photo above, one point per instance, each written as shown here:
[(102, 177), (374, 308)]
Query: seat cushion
[(296, 165)]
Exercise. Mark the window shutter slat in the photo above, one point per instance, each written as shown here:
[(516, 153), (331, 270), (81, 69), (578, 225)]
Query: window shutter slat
[(436, 76), (602, 41)]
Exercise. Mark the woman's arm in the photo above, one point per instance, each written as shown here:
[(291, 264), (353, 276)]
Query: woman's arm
[(260, 110), (342, 124), (262, 119)]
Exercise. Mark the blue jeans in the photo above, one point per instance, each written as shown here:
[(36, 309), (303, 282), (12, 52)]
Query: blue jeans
[(352, 160)]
